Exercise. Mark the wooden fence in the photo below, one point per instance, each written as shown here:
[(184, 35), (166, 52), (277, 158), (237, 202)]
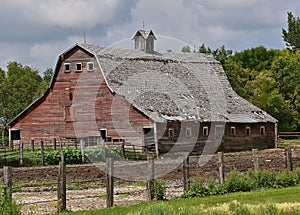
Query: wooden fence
[(16, 151), (109, 176)]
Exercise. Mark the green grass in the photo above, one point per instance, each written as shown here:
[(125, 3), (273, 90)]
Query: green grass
[(265, 198)]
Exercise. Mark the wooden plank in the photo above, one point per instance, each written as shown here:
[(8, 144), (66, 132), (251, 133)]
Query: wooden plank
[(62, 187), (109, 182)]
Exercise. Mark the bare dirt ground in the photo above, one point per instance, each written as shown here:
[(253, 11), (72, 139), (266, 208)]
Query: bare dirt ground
[(42, 199)]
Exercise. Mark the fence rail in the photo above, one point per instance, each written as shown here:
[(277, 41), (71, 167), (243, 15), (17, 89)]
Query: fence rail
[(221, 163), (288, 134)]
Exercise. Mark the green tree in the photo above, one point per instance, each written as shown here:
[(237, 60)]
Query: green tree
[(47, 76), (291, 36), (20, 87), (186, 49), (204, 49)]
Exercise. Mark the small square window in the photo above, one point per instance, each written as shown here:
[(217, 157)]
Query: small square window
[(171, 132), (67, 67), (90, 66), (188, 132), (78, 66), (232, 131), (247, 131), (262, 130), (205, 131)]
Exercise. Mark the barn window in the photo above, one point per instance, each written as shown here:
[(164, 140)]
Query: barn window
[(67, 67), (205, 131), (248, 131), (188, 132), (103, 133), (79, 67), (171, 132), (232, 130), (219, 131), (90, 66), (262, 130)]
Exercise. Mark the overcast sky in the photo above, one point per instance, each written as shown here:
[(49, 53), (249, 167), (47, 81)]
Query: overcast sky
[(35, 32)]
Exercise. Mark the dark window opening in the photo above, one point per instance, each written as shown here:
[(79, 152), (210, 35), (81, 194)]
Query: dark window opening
[(205, 131), (149, 136), (67, 67), (262, 130), (15, 134), (247, 131), (188, 132), (90, 66), (103, 133), (79, 66), (71, 96), (232, 131), (171, 132)]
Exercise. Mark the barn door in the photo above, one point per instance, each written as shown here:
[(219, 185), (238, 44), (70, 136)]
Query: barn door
[(149, 141)]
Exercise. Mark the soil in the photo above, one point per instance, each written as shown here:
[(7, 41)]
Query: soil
[(42, 199)]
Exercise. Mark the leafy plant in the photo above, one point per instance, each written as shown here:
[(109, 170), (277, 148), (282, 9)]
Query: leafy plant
[(7, 205), (159, 189)]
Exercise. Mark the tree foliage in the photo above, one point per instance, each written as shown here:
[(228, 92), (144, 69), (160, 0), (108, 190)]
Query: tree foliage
[(19, 86), (292, 35), (267, 78)]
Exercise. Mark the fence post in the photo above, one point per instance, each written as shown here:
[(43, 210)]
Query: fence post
[(11, 144), (62, 156), (186, 173), (123, 153), (255, 160), (42, 153), (289, 160), (7, 179), (32, 145), (82, 151), (62, 185), (150, 180), (221, 167), (109, 182), (21, 153), (54, 144)]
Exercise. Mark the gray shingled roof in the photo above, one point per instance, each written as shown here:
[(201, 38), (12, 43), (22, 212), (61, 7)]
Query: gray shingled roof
[(175, 86)]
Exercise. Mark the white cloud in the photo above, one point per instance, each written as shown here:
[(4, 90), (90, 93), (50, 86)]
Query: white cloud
[(45, 29)]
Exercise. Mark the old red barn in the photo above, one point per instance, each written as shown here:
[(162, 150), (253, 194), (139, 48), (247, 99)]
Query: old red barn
[(173, 101)]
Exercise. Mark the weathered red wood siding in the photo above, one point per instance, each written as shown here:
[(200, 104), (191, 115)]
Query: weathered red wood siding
[(79, 104), (197, 141)]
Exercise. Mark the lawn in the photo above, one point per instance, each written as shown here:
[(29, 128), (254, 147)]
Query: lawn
[(275, 201)]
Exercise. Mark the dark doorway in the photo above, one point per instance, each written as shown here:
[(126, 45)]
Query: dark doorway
[(149, 137), (103, 133), (15, 134)]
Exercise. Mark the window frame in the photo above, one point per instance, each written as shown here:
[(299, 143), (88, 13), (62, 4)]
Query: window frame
[(205, 131), (248, 134), (171, 133), (69, 69), (188, 132), (88, 66), (77, 64), (262, 130), (232, 131)]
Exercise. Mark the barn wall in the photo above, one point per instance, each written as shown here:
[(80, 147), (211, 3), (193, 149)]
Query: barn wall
[(79, 104), (228, 142)]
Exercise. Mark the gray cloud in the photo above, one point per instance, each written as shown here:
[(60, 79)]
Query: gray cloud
[(35, 32)]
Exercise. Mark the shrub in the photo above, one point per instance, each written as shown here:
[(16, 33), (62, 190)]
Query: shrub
[(197, 189), (8, 206), (286, 178), (265, 179), (238, 182), (159, 189), (100, 153), (71, 156)]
